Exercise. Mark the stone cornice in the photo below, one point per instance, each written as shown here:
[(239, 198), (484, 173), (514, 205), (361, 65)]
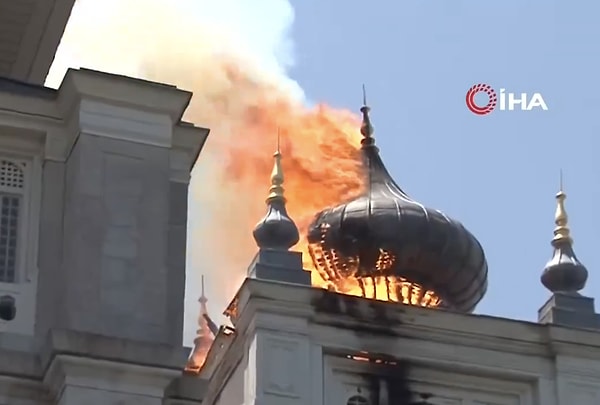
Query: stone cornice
[(186, 389), (19, 388), (123, 91), (188, 141), (105, 105), (341, 312), (37, 357), (107, 375), (112, 349), (69, 357), (20, 364)]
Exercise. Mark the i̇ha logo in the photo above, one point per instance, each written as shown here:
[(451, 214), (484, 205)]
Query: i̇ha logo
[(524, 101)]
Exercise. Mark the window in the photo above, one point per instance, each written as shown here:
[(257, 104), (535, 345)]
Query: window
[(12, 202)]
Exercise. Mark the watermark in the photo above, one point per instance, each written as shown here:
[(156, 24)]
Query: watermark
[(505, 102)]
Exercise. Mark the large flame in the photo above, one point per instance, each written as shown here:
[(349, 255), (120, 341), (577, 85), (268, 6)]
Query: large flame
[(321, 163)]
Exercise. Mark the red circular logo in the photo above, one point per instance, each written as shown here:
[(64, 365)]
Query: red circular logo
[(481, 88)]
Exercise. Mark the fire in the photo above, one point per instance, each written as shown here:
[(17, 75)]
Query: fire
[(346, 275), (202, 345), (204, 337), (371, 358), (245, 111), (321, 158), (322, 168)]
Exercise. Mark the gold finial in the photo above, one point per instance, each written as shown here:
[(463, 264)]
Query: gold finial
[(366, 129), (562, 233), (276, 190)]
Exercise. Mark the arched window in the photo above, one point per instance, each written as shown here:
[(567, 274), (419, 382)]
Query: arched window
[(12, 204), (357, 400)]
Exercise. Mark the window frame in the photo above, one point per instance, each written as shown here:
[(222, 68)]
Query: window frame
[(10, 274), (29, 215)]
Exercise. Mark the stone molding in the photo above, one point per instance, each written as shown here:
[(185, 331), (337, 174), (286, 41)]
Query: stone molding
[(508, 359), (101, 104)]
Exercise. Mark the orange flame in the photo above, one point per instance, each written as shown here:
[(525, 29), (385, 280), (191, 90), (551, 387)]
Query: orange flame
[(202, 344), (204, 338), (321, 161), (321, 165), (322, 168)]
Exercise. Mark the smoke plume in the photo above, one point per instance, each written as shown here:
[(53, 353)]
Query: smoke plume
[(233, 55)]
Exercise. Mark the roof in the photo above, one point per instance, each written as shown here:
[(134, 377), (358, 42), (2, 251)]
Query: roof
[(30, 32), (26, 89)]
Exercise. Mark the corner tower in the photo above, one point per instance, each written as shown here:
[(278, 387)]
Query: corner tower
[(113, 218), (564, 276), (275, 234)]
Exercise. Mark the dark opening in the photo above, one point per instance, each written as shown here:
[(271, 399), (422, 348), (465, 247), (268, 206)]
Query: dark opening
[(8, 309), (357, 400)]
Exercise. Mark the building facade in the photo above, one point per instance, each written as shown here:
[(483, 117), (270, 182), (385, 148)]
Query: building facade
[(94, 198), (293, 344), (308, 346), (93, 203)]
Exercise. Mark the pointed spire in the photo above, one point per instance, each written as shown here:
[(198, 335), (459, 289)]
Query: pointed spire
[(564, 272), (366, 129), (276, 190), (204, 337), (203, 300), (276, 230)]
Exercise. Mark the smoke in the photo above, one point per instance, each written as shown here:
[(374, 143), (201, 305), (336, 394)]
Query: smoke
[(233, 55)]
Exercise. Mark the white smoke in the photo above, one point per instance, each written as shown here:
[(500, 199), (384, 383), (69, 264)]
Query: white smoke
[(173, 41), (255, 31)]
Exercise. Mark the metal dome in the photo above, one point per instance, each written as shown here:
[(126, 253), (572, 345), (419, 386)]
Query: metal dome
[(385, 245), (563, 272)]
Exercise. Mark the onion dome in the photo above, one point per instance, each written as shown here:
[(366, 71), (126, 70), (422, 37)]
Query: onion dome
[(387, 246), (276, 230), (563, 272)]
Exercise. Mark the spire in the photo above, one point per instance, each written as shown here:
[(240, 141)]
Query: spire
[(366, 129), (275, 234), (561, 231), (204, 337), (203, 300), (276, 190), (564, 272), (276, 230), (205, 320)]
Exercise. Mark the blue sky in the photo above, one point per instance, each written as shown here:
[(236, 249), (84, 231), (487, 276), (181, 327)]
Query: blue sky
[(497, 174)]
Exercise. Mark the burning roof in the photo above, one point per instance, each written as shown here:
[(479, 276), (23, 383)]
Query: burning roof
[(385, 245)]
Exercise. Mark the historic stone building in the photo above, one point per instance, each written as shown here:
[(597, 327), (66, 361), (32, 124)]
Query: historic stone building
[(93, 204), (293, 344)]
